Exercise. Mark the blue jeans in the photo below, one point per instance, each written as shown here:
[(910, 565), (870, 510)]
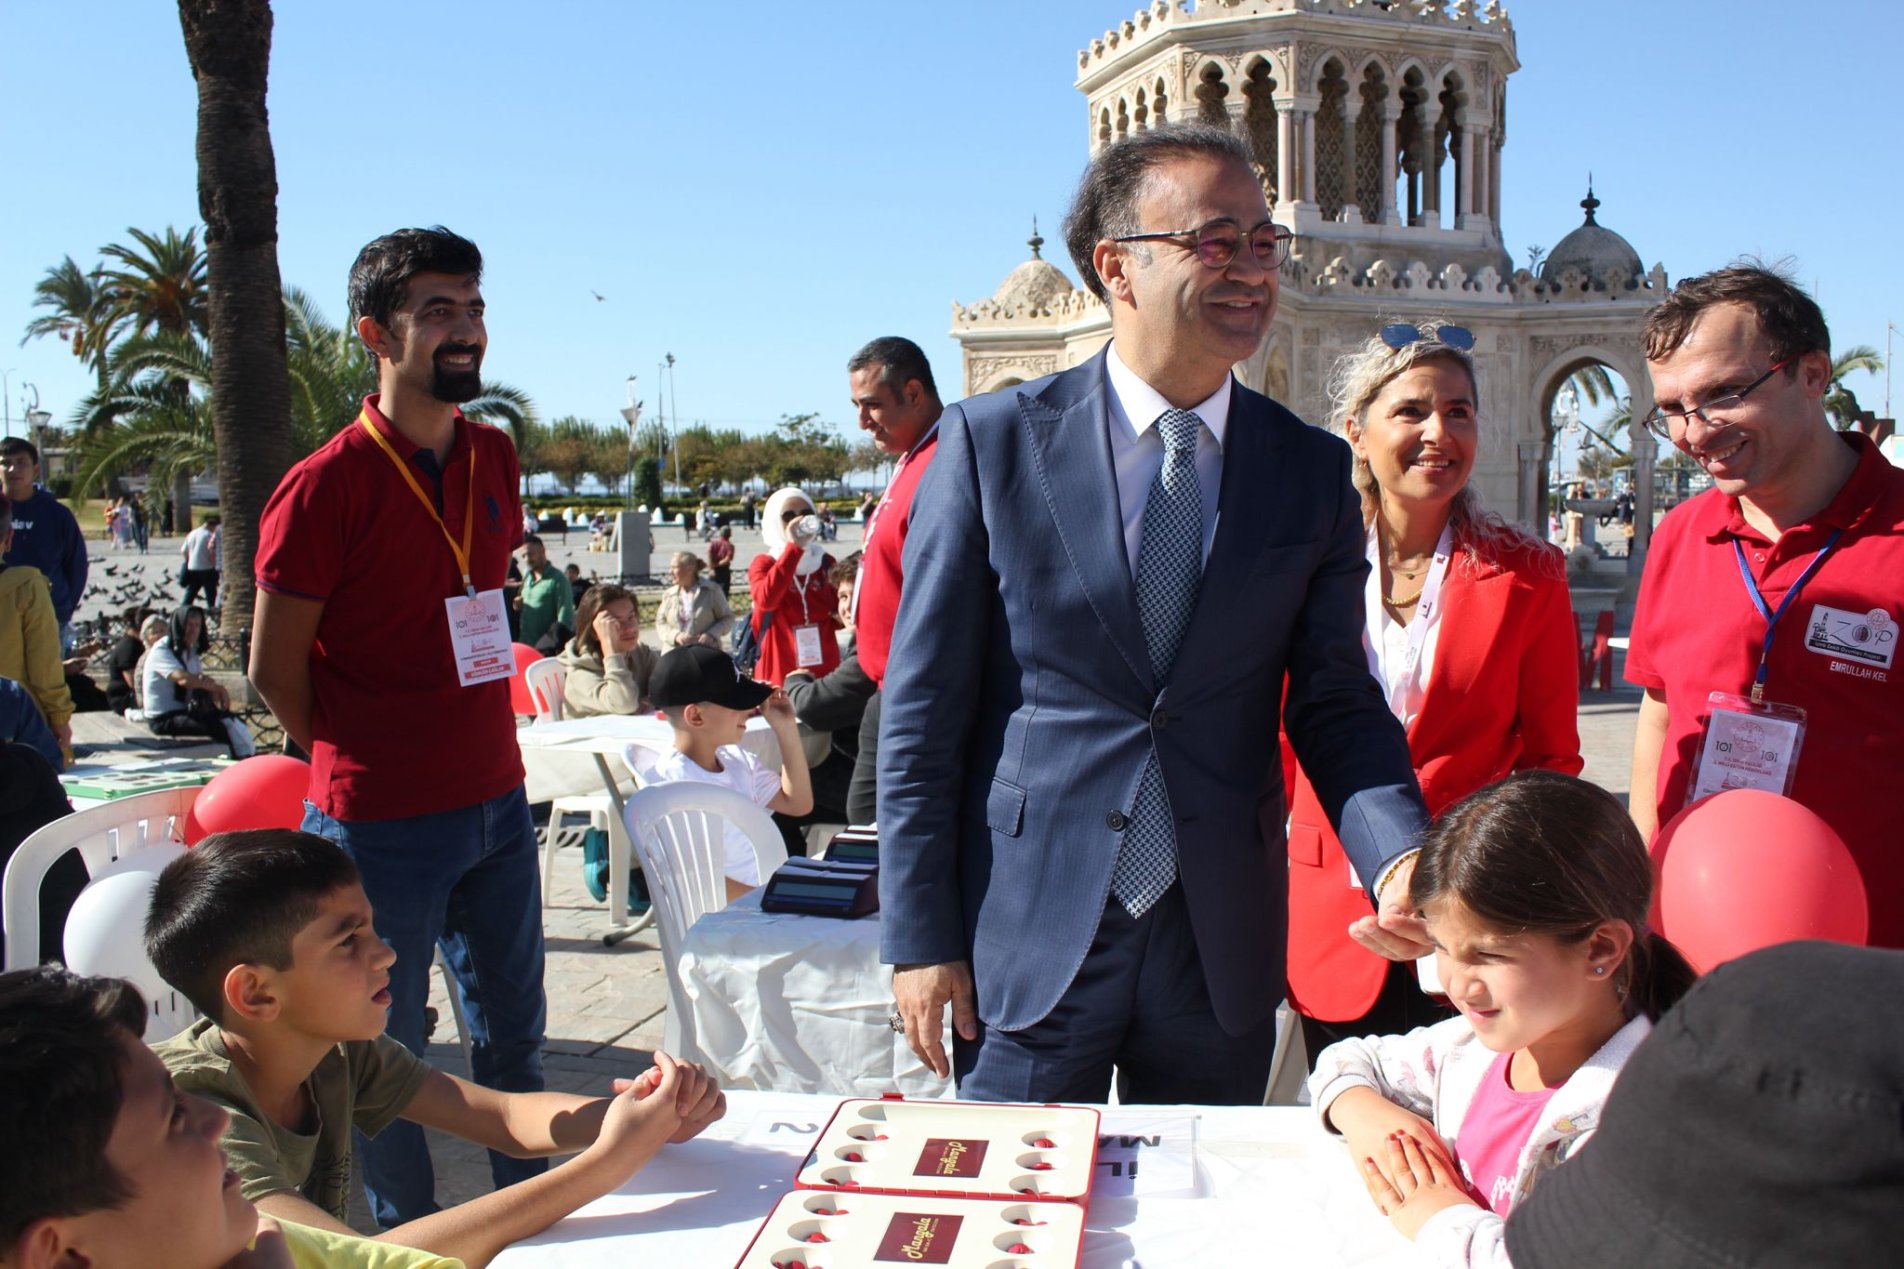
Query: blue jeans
[(467, 880)]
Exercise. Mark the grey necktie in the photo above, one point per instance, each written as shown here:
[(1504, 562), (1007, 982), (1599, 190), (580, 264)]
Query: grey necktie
[(1169, 568)]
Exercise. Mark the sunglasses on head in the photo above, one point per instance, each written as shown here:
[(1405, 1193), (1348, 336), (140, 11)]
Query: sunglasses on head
[(1398, 335)]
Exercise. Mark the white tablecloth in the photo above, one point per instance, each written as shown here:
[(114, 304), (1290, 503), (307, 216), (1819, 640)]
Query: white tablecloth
[(797, 1003), (1269, 1189)]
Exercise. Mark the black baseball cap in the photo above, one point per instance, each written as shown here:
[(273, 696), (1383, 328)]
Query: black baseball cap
[(1761, 1123), (698, 673)]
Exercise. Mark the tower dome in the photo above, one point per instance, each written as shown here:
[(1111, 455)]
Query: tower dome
[(1035, 285), (1593, 249)]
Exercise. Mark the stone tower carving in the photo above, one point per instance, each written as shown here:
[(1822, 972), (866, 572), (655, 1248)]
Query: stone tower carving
[(1376, 128)]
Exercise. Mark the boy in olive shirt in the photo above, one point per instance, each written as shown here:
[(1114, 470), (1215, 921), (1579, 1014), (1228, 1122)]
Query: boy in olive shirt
[(269, 934), (107, 1163)]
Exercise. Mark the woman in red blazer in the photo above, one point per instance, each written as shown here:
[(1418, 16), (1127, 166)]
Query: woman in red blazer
[(1470, 634)]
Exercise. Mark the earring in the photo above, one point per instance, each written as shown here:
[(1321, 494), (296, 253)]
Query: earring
[(1599, 969)]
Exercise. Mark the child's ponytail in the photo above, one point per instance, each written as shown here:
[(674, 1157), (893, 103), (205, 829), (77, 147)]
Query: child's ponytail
[(1657, 975)]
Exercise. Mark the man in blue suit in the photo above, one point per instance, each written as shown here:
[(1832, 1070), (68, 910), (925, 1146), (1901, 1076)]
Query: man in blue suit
[(1109, 574)]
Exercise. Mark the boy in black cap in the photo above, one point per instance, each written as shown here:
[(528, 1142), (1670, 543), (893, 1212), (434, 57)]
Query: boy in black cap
[(706, 698)]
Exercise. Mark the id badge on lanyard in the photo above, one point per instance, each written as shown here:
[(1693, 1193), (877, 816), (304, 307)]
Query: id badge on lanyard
[(478, 622), (1751, 742)]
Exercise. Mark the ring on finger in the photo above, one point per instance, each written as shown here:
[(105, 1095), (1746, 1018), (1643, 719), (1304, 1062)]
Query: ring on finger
[(896, 1022)]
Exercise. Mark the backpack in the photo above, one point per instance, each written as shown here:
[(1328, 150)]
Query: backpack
[(747, 642)]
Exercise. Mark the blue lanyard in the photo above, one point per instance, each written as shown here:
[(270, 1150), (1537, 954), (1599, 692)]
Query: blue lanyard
[(1765, 610)]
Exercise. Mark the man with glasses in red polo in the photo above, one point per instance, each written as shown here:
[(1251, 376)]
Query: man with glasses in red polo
[(1767, 630)]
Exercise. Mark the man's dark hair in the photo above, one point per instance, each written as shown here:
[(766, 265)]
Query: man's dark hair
[(1105, 205), (380, 280), (532, 539), (899, 361), (238, 899), (60, 1090), (135, 616), (1792, 321), (19, 445)]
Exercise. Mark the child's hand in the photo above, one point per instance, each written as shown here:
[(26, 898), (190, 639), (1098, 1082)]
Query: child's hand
[(698, 1107), (1415, 1184), (637, 1124), (1367, 1121), (778, 710)]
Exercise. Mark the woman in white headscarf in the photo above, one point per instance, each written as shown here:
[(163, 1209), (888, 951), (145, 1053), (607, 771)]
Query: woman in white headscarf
[(795, 608)]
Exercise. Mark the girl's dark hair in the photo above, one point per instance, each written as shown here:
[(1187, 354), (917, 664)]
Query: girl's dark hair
[(599, 596), (1545, 853)]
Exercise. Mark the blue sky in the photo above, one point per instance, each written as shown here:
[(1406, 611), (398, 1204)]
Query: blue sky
[(759, 187)]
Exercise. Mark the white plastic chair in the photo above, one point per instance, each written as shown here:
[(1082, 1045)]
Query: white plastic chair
[(546, 680), (679, 828), (102, 834)]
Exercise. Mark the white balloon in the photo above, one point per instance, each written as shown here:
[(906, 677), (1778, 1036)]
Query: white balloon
[(105, 934)]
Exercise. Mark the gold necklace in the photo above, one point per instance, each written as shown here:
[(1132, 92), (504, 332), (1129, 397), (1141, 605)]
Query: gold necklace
[(1409, 602)]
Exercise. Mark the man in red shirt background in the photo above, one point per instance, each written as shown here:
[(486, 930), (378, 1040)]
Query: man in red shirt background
[(899, 408), (1804, 525), (380, 565)]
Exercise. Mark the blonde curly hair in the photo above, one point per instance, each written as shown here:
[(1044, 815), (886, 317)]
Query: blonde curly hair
[(1359, 376)]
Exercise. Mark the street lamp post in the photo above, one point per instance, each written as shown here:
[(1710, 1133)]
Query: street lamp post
[(632, 413), (6, 400), (36, 419)]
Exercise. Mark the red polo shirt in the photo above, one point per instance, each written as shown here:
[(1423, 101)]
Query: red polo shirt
[(881, 572), (395, 734), (1696, 631)]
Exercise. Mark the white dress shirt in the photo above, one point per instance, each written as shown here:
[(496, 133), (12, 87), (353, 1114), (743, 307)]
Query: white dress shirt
[(1387, 642), (1137, 451)]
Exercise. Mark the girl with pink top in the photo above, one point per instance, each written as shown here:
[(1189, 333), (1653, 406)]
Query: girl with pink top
[(1535, 892)]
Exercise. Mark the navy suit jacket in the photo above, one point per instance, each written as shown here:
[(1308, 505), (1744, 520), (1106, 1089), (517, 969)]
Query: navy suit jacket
[(1019, 717)]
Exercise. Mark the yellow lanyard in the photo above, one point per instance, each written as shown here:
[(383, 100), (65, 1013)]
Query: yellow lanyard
[(469, 503)]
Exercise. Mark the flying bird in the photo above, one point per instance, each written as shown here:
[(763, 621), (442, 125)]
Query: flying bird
[(599, 297)]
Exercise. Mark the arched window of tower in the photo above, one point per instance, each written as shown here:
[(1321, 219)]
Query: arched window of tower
[(1259, 119), (1211, 90)]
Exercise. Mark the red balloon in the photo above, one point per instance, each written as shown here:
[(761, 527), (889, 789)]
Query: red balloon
[(1745, 869), (266, 791), (519, 701)]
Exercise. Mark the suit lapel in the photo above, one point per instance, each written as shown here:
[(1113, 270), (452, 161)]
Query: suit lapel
[(1071, 451)]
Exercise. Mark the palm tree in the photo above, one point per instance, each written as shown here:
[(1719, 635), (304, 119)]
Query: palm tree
[(229, 45), (1840, 402), (80, 315), (159, 286), (153, 412)]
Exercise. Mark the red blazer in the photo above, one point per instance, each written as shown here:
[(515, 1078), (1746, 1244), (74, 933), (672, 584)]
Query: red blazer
[(1503, 695)]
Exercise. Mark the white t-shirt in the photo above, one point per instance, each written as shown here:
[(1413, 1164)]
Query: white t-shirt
[(745, 775), (162, 695), (200, 549)]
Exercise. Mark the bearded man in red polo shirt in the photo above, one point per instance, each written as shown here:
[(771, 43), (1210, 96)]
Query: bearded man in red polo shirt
[(899, 408), (1771, 605), (381, 643)]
